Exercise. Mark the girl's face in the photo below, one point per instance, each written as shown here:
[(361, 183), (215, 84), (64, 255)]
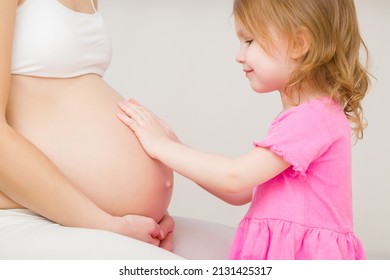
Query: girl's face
[(266, 72)]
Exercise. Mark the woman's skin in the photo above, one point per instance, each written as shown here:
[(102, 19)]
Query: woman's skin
[(66, 156), (73, 122)]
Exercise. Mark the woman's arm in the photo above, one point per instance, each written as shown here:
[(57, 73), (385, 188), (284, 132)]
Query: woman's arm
[(231, 179), (30, 179)]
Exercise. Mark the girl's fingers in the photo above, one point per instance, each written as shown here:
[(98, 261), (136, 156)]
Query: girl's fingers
[(136, 116), (131, 100), (136, 111), (126, 119), (145, 112), (122, 105), (132, 111)]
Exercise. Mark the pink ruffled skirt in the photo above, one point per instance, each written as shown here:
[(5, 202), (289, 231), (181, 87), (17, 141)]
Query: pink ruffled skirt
[(263, 239)]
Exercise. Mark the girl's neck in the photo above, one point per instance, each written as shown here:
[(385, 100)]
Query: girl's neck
[(295, 97)]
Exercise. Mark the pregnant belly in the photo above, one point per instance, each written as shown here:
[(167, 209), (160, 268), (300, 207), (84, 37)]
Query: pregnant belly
[(80, 133)]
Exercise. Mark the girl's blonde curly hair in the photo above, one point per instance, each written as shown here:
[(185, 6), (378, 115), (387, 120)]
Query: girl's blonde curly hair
[(332, 63)]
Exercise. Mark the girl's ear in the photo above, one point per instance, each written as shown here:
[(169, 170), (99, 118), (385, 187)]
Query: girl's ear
[(301, 43)]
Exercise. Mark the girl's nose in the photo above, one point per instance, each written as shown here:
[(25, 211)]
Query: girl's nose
[(240, 58)]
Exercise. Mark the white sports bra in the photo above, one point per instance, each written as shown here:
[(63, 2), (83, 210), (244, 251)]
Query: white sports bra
[(52, 40)]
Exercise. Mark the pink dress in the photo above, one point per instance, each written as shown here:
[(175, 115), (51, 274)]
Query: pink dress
[(306, 211)]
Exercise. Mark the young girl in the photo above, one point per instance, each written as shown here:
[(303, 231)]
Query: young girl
[(299, 176)]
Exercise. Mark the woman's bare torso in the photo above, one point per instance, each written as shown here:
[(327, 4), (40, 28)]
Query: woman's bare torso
[(73, 121)]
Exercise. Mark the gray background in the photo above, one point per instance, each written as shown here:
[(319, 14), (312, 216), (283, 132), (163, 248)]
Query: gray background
[(177, 58)]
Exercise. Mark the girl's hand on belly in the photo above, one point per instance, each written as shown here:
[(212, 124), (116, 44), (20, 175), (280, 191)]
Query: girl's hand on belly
[(148, 127), (141, 228)]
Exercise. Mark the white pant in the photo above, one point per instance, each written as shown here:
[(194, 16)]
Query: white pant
[(26, 235)]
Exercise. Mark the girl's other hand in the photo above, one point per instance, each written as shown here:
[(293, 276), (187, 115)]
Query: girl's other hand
[(150, 129)]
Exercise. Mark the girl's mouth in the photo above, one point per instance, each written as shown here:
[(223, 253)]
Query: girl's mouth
[(248, 72)]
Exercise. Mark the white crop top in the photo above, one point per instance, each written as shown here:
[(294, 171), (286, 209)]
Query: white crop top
[(51, 40)]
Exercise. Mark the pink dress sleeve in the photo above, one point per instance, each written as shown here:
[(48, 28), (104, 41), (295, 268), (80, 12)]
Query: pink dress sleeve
[(299, 137)]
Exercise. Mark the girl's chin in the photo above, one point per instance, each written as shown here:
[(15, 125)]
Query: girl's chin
[(263, 90)]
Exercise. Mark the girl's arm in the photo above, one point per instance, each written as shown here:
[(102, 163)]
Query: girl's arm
[(219, 174), (30, 179), (228, 178)]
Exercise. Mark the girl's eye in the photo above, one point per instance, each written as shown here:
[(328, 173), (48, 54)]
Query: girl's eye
[(248, 42)]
